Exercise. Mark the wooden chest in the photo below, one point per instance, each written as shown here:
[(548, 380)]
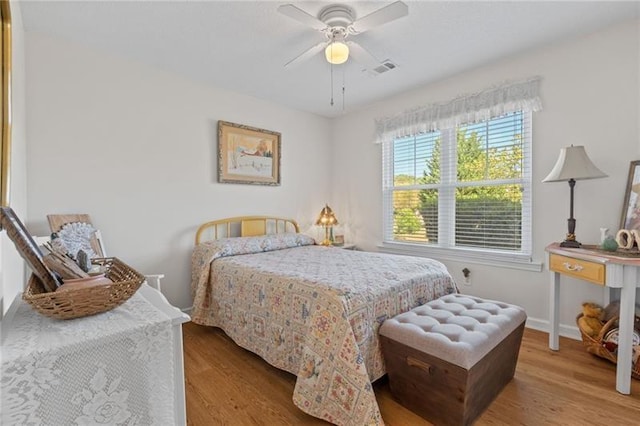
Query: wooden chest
[(444, 393), (449, 358)]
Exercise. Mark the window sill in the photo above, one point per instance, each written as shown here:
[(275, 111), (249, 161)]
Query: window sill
[(507, 260)]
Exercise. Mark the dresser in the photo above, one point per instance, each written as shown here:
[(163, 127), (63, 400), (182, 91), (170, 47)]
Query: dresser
[(613, 272), (124, 366)]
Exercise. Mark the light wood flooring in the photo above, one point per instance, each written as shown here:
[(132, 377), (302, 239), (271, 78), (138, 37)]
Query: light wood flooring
[(227, 385)]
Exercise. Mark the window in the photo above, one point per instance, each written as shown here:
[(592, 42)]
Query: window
[(461, 188)]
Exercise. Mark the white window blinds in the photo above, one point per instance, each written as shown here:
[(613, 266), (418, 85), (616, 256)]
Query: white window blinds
[(462, 187)]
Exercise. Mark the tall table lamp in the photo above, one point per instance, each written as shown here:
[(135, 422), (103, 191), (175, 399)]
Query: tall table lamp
[(327, 219), (573, 164)]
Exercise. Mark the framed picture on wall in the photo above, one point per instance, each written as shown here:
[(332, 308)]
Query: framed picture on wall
[(631, 207), (248, 155)]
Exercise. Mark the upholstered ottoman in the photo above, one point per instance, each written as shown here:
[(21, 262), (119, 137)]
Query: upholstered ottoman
[(449, 358)]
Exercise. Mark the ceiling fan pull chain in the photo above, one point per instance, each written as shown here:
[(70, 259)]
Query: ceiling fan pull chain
[(331, 66), (343, 72)]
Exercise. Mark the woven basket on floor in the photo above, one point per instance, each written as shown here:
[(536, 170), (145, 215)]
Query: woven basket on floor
[(86, 301), (595, 345)]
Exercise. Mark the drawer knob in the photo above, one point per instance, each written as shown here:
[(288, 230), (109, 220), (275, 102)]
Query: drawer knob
[(570, 267)]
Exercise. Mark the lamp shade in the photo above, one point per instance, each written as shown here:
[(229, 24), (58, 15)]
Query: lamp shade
[(573, 163), (337, 53), (326, 217)]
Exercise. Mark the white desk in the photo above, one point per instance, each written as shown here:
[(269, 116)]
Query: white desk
[(121, 366), (614, 272)]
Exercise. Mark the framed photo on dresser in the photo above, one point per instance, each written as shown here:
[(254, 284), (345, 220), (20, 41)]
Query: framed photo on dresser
[(631, 207), (27, 248)]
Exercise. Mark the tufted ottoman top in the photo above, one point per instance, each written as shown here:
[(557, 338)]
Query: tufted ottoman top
[(457, 328)]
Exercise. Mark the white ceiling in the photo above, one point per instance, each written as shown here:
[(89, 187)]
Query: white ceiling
[(243, 45)]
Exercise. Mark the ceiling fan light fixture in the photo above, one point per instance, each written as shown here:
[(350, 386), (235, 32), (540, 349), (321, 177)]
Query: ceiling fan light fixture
[(336, 53)]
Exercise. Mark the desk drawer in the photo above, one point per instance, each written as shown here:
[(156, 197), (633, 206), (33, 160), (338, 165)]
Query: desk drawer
[(577, 268)]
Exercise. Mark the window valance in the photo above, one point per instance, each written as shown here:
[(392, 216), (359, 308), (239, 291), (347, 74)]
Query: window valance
[(502, 99)]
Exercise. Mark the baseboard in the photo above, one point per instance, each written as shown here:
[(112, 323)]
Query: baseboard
[(569, 331)]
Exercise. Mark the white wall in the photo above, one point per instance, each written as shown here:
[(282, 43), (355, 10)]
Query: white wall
[(136, 148), (11, 265), (590, 93)]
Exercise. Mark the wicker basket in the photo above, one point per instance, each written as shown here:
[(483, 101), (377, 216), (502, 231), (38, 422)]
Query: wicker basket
[(86, 301), (595, 345)]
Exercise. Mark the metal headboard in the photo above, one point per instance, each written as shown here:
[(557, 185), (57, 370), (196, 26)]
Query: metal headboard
[(244, 226)]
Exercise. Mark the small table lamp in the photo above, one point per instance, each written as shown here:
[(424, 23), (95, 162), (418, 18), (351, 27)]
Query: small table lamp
[(573, 164), (326, 219)]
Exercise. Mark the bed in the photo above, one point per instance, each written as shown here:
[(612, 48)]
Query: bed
[(311, 310)]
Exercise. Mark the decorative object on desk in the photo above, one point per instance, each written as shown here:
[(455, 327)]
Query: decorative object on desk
[(77, 234), (57, 221), (573, 164), (85, 301), (327, 220), (605, 348), (56, 244), (338, 240), (83, 260), (28, 249), (91, 281), (610, 339), (61, 262), (631, 207), (248, 155), (591, 320), (609, 244), (627, 239), (63, 266), (604, 232)]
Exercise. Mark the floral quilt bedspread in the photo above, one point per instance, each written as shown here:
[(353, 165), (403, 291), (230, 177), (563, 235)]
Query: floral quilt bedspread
[(312, 311)]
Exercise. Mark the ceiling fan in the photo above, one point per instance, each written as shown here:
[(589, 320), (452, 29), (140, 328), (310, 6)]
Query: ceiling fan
[(337, 22)]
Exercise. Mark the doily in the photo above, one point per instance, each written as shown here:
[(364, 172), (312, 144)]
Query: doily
[(76, 236)]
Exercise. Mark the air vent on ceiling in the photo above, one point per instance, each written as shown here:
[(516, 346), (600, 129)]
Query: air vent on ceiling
[(384, 66)]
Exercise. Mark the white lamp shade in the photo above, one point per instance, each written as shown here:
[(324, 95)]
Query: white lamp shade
[(573, 163), (337, 53)]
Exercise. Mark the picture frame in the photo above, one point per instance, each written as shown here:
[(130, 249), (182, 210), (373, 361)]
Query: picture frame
[(248, 155), (27, 248), (631, 207)]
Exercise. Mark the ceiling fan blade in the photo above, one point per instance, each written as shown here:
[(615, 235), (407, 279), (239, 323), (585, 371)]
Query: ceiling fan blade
[(362, 55), (306, 54), (381, 16), (301, 16)]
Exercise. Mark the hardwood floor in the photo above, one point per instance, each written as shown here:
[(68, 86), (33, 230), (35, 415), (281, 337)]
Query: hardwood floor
[(227, 385)]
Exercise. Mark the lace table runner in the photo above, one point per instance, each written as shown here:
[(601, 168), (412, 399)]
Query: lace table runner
[(114, 368)]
